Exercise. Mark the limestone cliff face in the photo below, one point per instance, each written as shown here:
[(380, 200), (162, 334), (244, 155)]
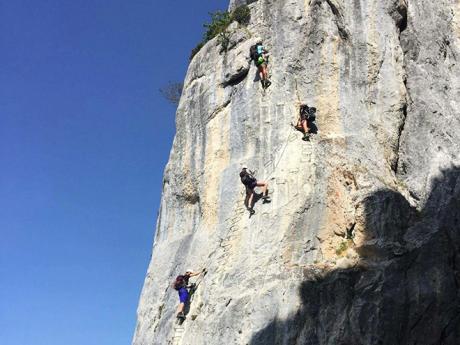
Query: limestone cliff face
[(361, 242)]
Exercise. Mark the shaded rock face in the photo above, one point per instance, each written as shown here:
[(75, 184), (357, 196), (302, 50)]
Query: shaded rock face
[(360, 244), (407, 293)]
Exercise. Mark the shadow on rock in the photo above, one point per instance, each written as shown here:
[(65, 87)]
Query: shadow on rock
[(256, 76), (405, 289)]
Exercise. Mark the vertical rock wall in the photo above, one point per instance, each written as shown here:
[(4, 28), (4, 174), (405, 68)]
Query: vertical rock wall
[(360, 244)]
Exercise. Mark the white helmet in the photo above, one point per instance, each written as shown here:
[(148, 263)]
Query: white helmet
[(189, 270)]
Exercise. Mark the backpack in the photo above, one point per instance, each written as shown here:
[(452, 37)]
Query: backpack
[(253, 52), (247, 180), (308, 113), (179, 283), (312, 113)]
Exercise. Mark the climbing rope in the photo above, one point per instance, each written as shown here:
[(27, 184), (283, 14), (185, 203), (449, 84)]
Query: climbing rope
[(288, 140), (290, 137)]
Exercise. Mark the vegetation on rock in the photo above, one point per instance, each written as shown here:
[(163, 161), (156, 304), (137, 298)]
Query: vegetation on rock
[(172, 92), (220, 20), (242, 14)]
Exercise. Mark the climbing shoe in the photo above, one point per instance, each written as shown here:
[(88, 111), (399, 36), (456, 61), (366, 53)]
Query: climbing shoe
[(266, 199), (181, 315), (267, 83), (251, 212), (306, 137)]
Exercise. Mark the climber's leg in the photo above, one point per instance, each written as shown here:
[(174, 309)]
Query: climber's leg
[(248, 201), (260, 68), (264, 186), (180, 308), (248, 198), (251, 201), (183, 298), (305, 126), (306, 130), (265, 73), (299, 125)]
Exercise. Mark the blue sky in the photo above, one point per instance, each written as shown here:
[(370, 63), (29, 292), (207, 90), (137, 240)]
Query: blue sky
[(84, 137)]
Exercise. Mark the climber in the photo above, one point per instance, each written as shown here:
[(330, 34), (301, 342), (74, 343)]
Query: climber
[(182, 286), (306, 117), (260, 56), (250, 182)]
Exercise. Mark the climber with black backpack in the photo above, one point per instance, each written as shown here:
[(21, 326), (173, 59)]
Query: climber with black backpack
[(181, 284), (250, 182), (307, 116), (259, 55)]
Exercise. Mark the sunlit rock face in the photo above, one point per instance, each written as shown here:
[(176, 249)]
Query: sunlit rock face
[(361, 242)]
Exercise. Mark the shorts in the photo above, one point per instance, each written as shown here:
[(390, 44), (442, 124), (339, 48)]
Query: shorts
[(183, 295), (252, 185)]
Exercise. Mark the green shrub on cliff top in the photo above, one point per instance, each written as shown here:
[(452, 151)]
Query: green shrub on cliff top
[(242, 14), (220, 21)]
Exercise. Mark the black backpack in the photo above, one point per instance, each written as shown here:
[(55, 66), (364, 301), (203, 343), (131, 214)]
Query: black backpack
[(247, 180), (308, 112), (312, 113), (253, 52)]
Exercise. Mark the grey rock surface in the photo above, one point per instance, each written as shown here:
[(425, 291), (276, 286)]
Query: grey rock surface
[(236, 3), (361, 242)]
